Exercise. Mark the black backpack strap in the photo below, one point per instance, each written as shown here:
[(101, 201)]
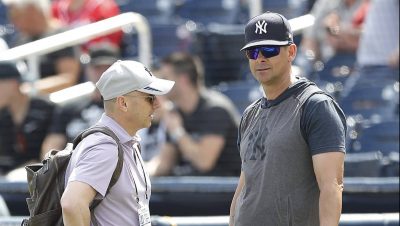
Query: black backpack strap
[(118, 168)]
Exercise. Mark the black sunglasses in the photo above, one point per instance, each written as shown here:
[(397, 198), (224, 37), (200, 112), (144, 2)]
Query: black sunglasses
[(149, 98), (266, 51)]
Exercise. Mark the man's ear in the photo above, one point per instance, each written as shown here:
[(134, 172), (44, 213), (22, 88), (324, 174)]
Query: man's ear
[(292, 52), (122, 103)]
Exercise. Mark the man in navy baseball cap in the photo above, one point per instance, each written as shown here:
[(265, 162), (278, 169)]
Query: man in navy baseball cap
[(291, 141)]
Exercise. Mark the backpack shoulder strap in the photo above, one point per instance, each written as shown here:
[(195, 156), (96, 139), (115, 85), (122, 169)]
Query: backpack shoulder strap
[(118, 168)]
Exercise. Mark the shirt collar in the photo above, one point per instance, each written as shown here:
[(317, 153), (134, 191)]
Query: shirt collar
[(292, 89), (121, 133)]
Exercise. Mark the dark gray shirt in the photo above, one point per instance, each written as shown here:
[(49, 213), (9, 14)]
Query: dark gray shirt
[(318, 113), (277, 141), (215, 114)]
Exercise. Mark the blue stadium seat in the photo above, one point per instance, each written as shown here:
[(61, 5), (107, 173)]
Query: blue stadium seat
[(6, 30), (242, 93), (165, 40), (372, 100), (382, 136), (338, 68), (288, 8), (391, 167), (207, 11), (365, 164), (148, 8), (3, 15), (218, 45)]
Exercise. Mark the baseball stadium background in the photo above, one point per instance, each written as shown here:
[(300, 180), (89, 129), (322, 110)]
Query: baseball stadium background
[(213, 29)]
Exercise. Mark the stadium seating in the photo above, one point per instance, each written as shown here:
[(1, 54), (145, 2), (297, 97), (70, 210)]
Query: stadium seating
[(218, 45), (378, 219), (151, 9), (6, 29), (209, 11), (242, 93), (338, 68), (364, 164), (3, 15), (165, 40), (193, 196), (372, 100), (381, 136), (346, 220), (391, 166), (289, 8)]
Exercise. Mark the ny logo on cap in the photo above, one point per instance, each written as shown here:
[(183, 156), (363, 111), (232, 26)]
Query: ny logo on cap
[(261, 27)]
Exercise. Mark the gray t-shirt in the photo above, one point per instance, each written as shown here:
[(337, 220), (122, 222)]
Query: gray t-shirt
[(318, 113), (277, 141), (93, 162)]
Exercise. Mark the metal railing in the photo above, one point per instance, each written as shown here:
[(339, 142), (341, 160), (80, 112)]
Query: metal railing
[(31, 51)]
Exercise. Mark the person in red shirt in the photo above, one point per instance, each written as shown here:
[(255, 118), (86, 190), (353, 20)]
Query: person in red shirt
[(74, 13)]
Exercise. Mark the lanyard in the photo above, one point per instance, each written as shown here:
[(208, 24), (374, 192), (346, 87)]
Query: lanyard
[(136, 156)]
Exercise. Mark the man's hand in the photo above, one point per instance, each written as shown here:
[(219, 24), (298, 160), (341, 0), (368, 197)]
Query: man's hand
[(173, 121)]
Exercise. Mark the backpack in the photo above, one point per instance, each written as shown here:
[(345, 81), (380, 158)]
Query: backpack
[(46, 181)]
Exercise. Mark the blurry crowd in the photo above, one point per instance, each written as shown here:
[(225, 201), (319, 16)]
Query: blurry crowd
[(195, 130)]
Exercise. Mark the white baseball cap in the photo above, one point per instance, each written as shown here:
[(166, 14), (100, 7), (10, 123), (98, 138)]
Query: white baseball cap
[(125, 76)]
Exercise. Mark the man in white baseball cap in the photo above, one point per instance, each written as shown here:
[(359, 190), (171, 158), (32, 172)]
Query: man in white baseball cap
[(126, 76), (129, 93)]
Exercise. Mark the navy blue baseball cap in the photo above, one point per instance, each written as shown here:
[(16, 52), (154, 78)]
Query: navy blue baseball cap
[(268, 28)]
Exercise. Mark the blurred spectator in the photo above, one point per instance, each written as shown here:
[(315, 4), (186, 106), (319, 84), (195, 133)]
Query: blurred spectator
[(24, 120), (32, 20), (379, 43), (74, 13), (342, 33), (378, 52), (333, 30), (360, 14), (202, 127), (71, 119)]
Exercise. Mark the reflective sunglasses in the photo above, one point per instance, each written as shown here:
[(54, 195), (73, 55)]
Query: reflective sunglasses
[(266, 51), (149, 98)]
